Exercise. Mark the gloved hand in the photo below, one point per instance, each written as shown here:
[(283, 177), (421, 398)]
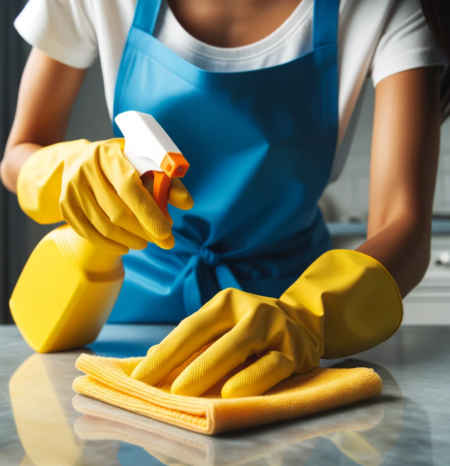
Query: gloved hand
[(94, 188), (344, 303)]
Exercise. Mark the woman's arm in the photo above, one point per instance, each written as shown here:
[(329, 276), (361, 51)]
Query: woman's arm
[(404, 159), (47, 93)]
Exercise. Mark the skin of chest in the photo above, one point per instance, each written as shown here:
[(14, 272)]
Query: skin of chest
[(234, 23)]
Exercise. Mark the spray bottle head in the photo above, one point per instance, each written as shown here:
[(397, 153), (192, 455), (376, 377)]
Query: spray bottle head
[(148, 147)]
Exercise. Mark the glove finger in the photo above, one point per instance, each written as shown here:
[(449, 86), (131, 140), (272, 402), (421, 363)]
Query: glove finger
[(152, 348), (259, 377), (219, 359), (149, 215), (166, 243), (118, 212), (179, 196), (130, 189), (122, 216), (105, 226), (190, 336), (75, 216)]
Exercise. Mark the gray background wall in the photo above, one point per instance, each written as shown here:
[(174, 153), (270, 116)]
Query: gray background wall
[(347, 199)]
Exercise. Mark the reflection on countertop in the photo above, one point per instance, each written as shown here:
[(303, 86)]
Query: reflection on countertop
[(43, 422)]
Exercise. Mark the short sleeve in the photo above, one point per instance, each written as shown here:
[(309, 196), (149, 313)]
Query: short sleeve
[(406, 42), (62, 29)]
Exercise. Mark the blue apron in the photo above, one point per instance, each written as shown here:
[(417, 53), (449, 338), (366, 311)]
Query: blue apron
[(260, 144)]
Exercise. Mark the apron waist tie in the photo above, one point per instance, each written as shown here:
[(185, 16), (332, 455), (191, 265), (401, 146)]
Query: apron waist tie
[(205, 257), (290, 258)]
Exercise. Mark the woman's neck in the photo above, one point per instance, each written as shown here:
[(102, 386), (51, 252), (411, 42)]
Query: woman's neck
[(233, 23)]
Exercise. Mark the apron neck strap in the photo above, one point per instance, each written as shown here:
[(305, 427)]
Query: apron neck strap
[(325, 23), (146, 15)]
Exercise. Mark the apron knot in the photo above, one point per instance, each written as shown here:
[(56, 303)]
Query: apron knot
[(210, 262), (210, 257)]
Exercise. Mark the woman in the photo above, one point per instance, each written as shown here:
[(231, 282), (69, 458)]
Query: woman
[(258, 97)]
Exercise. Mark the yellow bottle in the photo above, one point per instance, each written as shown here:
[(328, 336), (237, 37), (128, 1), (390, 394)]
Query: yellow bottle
[(66, 292), (68, 287)]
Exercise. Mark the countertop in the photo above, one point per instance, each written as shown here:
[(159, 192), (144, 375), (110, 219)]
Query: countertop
[(439, 227), (409, 424)]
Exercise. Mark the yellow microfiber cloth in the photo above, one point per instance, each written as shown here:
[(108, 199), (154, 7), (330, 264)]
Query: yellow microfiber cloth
[(108, 380)]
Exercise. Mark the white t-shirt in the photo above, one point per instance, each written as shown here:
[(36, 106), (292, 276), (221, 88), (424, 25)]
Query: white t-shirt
[(376, 38)]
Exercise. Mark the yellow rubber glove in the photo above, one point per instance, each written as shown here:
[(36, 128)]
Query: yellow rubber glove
[(93, 187), (344, 303)]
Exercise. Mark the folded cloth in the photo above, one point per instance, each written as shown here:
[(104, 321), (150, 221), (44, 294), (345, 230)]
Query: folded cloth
[(108, 380)]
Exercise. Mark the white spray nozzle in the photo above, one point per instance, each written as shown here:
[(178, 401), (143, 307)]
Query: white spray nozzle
[(148, 147)]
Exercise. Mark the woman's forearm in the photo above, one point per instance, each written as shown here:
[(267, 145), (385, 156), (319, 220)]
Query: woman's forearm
[(47, 92), (13, 161), (403, 247), (403, 168)]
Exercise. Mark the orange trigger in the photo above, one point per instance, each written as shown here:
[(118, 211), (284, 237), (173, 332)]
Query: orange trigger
[(161, 188)]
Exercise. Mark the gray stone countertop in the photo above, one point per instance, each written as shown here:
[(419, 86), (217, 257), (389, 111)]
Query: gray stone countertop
[(409, 424), (439, 227)]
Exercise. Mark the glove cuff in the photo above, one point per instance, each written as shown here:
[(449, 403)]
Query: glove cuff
[(354, 297), (39, 181)]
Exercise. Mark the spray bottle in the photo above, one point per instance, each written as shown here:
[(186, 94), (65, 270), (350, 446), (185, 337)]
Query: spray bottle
[(68, 286)]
